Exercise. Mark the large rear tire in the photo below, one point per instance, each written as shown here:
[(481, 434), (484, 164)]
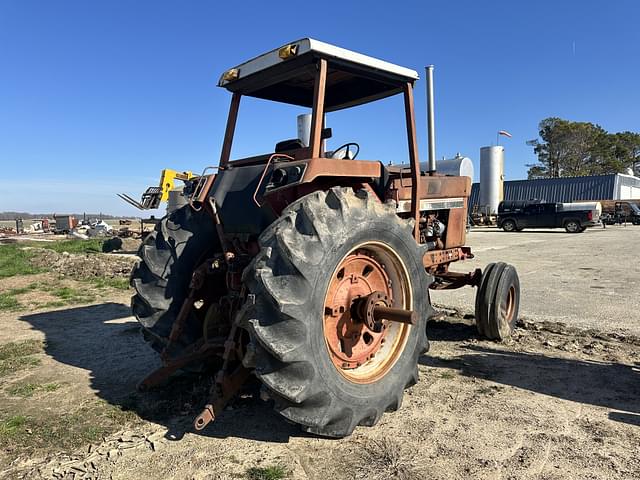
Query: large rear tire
[(168, 257), (311, 261)]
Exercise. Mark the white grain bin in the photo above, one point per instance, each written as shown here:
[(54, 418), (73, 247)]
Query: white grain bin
[(491, 178)]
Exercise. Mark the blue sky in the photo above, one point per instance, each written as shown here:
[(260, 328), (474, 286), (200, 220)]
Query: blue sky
[(97, 97)]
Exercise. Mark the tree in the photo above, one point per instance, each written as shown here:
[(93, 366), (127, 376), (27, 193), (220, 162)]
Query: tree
[(581, 148), (626, 148)]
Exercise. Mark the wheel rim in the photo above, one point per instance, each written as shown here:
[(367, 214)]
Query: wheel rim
[(572, 226), (360, 354), (510, 305), (509, 226)]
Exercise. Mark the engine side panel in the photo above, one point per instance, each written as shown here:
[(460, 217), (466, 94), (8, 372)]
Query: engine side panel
[(233, 191)]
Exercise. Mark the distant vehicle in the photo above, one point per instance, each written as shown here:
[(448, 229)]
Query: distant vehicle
[(620, 211), (65, 223), (514, 216)]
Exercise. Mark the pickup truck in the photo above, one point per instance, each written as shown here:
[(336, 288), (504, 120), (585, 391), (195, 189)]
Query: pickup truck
[(514, 216)]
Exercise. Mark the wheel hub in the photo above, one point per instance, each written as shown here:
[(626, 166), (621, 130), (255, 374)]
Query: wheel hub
[(352, 334)]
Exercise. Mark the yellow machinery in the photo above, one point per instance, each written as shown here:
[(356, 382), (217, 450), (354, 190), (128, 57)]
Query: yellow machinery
[(153, 196)]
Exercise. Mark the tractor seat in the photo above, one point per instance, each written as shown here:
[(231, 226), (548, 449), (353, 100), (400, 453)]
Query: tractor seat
[(288, 145)]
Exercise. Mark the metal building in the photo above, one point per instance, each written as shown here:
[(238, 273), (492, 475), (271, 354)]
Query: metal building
[(568, 189)]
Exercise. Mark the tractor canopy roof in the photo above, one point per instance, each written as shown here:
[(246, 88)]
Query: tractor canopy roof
[(287, 74)]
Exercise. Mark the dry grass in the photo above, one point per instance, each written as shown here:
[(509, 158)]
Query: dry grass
[(385, 459), (26, 390), (16, 356), (25, 433)]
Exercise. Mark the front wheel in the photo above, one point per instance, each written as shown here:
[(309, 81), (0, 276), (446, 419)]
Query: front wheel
[(509, 226), (327, 365), (497, 301)]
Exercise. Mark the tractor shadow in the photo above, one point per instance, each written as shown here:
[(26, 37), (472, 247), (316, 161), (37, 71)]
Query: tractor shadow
[(452, 330), (105, 341), (613, 386)]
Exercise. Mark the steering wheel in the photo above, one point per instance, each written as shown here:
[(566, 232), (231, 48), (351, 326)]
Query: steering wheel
[(344, 151)]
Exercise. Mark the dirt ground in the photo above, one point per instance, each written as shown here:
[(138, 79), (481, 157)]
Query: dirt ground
[(561, 400)]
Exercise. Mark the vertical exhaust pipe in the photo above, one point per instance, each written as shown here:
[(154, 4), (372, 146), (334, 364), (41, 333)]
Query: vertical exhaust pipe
[(431, 129)]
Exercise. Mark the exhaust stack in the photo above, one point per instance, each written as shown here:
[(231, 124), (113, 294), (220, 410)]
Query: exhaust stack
[(431, 129)]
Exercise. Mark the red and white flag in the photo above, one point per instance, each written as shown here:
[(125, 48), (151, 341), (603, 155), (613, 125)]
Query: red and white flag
[(505, 133)]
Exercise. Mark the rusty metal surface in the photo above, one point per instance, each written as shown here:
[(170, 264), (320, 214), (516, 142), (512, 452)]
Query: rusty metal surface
[(374, 309), (451, 280), (196, 283), (456, 227), (361, 347), (225, 389), (230, 129), (432, 187), (201, 190), (264, 173), (416, 186), (351, 341), (317, 119), (297, 154), (333, 167), (381, 313), (227, 382), (439, 257), (160, 375)]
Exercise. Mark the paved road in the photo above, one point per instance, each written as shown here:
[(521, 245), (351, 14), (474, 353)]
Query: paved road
[(590, 279)]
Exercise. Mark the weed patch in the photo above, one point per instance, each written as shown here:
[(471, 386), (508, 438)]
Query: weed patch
[(15, 260), (8, 301), (93, 245), (90, 423), (11, 426), (23, 290), (26, 390), (106, 282), (274, 472), (16, 356), (71, 295)]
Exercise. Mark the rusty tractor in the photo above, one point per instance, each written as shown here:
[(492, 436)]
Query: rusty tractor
[(307, 269)]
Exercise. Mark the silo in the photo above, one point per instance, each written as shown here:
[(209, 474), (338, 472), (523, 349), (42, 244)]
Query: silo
[(491, 178)]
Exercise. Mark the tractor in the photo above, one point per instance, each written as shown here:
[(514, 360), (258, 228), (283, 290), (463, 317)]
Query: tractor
[(308, 270)]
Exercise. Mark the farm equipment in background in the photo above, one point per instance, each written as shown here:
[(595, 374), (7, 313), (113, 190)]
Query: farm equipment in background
[(153, 196), (620, 211), (307, 269)]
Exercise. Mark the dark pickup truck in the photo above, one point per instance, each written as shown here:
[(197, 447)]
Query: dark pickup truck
[(514, 216)]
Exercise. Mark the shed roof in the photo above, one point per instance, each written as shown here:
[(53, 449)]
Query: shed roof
[(287, 74)]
